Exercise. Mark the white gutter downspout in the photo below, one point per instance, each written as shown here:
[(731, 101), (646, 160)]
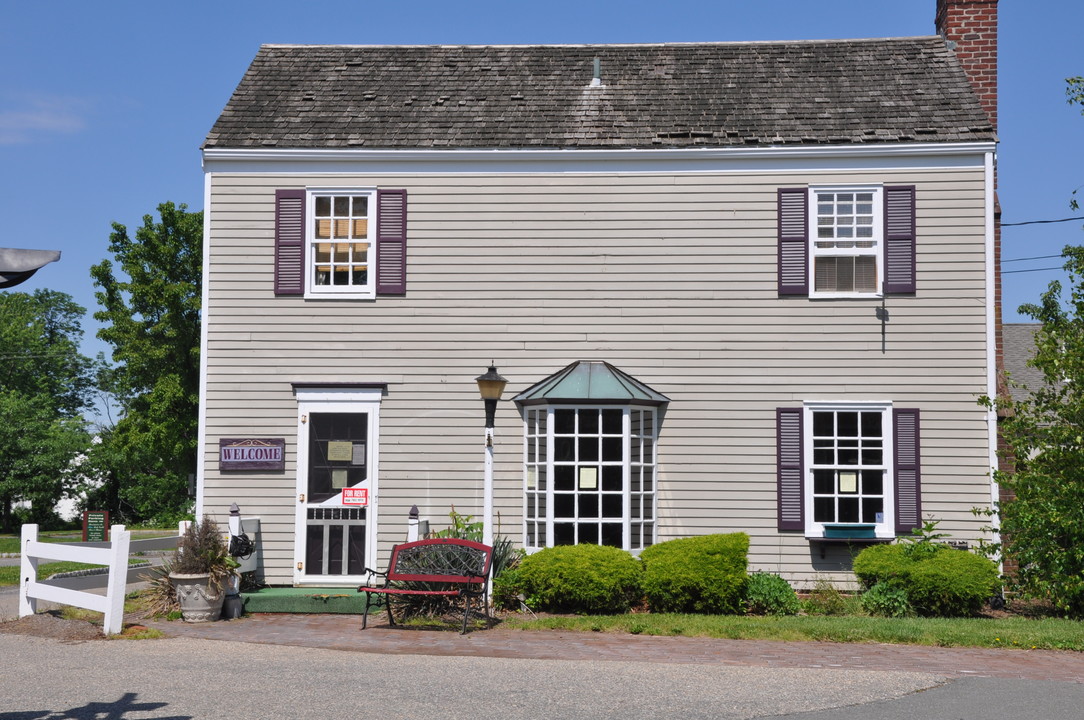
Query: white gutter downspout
[(991, 337)]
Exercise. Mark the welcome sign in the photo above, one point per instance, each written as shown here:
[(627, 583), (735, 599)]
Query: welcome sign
[(251, 454)]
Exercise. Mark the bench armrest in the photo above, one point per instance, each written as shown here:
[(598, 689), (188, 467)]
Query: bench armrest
[(373, 582)]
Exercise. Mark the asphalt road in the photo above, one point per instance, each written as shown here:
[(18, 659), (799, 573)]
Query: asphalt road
[(179, 678), (969, 698), (191, 678)]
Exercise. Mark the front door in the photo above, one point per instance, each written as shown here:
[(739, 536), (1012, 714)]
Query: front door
[(336, 490)]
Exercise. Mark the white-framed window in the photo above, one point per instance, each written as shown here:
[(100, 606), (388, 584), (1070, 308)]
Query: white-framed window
[(590, 476), (340, 241), (848, 451), (847, 241)]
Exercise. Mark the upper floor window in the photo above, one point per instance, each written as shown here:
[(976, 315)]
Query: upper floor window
[(847, 244), (340, 244)]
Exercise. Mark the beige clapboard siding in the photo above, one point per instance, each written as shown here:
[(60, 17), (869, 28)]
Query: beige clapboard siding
[(671, 278)]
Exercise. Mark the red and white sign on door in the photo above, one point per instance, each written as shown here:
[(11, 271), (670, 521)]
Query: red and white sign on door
[(355, 496)]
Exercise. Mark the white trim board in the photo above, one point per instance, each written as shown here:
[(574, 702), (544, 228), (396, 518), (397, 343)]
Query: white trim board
[(205, 324), (777, 159)]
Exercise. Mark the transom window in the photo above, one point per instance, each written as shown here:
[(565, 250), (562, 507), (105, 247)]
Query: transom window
[(590, 476), (340, 261), (849, 472), (847, 245)]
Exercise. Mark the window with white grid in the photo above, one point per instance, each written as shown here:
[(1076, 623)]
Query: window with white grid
[(340, 243), (847, 242), (590, 476), (850, 455)]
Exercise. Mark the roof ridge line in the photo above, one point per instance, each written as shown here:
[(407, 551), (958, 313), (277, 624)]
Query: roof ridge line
[(691, 43)]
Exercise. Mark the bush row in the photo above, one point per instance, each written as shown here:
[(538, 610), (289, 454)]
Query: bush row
[(708, 574), (703, 574), (929, 579)]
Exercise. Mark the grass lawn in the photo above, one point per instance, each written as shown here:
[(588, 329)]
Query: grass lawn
[(11, 543), (10, 575), (1012, 632)]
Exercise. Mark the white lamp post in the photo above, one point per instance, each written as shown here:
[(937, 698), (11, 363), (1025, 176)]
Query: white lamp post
[(490, 386)]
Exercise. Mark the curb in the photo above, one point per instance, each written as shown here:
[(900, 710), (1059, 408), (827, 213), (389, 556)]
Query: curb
[(93, 571), (141, 553)]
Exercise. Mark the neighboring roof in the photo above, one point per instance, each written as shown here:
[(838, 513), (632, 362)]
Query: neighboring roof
[(1018, 343), (590, 381), (651, 96), (17, 265)]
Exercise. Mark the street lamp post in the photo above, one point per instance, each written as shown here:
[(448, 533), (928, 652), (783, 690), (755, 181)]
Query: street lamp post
[(490, 386)]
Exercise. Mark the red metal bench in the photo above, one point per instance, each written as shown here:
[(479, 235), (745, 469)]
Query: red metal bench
[(460, 568)]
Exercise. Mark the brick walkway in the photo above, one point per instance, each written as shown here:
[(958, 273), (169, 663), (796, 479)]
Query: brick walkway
[(343, 632)]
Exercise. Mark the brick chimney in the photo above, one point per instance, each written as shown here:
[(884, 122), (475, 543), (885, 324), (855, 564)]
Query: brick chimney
[(970, 28)]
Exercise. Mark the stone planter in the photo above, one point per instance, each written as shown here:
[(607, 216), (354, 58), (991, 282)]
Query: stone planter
[(197, 603)]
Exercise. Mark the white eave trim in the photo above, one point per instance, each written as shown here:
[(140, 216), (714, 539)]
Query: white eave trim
[(803, 157), (205, 317)]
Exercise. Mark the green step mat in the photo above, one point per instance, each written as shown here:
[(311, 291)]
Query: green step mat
[(304, 600)]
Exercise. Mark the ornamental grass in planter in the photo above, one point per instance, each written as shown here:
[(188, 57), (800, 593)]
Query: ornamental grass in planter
[(201, 570)]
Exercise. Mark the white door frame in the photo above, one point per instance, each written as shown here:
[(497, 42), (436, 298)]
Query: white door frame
[(336, 400)]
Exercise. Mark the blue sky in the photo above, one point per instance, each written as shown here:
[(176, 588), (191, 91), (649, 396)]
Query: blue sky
[(103, 105)]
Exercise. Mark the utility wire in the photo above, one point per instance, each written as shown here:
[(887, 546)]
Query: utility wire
[(1037, 257), (1010, 272), (1041, 222)]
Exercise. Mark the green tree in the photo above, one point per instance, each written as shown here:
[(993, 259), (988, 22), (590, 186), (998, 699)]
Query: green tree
[(1042, 522), (152, 316), (1042, 517), (1075, 91), (37, 450), (1075, 96), (45, 382)]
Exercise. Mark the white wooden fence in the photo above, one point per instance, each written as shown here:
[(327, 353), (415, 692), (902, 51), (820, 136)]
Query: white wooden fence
[(115, 556)]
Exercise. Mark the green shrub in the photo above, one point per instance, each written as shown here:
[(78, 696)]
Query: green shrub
[(886, 600), (882, 564), (506, 589), (951, 583), (589, 579), (704, 574), (939, 580), (769, 594), (826, 599)]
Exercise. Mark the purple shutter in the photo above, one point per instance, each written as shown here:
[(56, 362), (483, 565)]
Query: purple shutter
[(289, 242), (789, 468), (899, 239), (908, 475), (391, 221), (793, 241)]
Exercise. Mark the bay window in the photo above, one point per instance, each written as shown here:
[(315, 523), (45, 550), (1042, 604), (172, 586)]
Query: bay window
[(590, 476)]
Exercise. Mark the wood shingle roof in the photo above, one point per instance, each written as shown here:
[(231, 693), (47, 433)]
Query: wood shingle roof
[(651, 96)]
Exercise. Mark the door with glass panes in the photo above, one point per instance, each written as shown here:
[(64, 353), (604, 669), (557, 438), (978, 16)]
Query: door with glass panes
[(336, 490)]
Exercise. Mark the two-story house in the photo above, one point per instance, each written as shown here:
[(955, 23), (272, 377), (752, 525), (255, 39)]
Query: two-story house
[(732, 286)]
